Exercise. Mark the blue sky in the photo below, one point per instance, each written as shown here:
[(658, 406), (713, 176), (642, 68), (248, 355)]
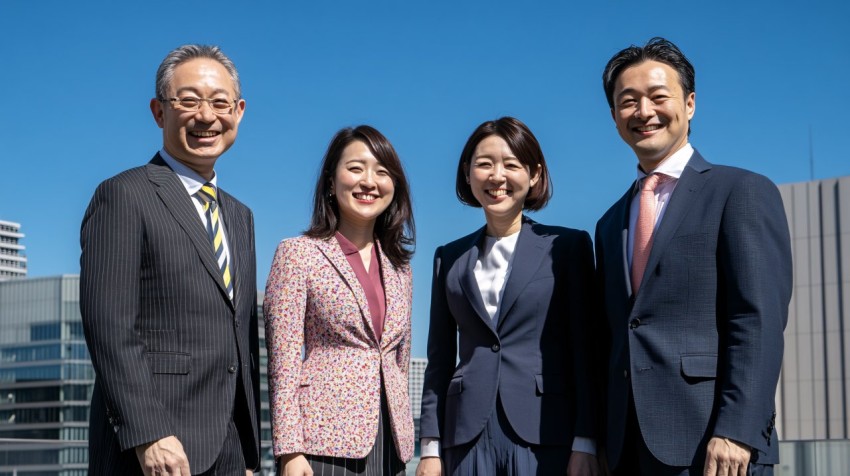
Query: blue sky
[(77, 78)]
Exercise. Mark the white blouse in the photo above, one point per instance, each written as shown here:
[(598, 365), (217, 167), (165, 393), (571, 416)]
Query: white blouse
[(492, 269)]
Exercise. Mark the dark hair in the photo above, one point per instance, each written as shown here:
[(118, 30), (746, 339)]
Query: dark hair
[(522, 143), (656, 49), (394, 227)]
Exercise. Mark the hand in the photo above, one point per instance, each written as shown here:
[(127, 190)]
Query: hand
[(248, 472), (582, 464), (163, 457), (295, 464), (725, 457), (429, 466)]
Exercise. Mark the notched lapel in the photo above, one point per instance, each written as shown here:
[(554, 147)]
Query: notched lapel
[(173, 195), (394, 298), (465, 274), (530, 250), (330, 248)]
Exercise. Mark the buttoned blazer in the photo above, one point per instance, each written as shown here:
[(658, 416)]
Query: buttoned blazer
[(532, 355), (700, 344), (165, 339), (326, 365)]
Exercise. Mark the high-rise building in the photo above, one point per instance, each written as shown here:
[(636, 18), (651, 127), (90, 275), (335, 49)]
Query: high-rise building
[(46, 380), (13, 260), (813, 397), (416, 378)]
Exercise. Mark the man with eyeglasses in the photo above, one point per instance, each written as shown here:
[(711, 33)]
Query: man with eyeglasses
[(168, 291)]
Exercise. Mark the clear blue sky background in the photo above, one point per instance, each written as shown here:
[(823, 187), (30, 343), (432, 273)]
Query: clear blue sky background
[(77, 77)]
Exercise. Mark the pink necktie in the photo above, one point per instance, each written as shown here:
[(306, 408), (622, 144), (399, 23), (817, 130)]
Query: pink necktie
[(644, 228)]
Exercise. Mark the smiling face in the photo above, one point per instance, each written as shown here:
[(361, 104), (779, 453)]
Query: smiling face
[(499, 180), (362, 186), (198, 138), (652, 111)]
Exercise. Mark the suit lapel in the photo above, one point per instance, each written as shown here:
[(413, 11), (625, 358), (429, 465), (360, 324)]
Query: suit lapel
[(466, 277), (233, 222), (173, 195), (687, 189), (332, 251), (394, 297), (530, 250)]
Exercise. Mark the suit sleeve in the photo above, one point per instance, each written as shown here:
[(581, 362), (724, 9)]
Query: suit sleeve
[(580, 295), (112, 241), (442, 354), (754, 289), (284, 308)]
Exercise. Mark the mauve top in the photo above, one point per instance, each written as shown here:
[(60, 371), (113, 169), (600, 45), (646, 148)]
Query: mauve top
[(370, 281)]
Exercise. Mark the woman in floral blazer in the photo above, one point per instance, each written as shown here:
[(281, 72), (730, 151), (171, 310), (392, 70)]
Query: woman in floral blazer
[(337, 314)]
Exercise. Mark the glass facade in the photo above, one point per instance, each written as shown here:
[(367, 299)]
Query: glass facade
[(46, 380)]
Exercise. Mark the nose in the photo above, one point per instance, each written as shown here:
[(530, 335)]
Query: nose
[(205, 113), (498, 173), (645, 108), (368, 179)]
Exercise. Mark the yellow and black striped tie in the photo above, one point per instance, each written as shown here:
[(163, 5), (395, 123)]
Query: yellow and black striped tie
[(207, 197)]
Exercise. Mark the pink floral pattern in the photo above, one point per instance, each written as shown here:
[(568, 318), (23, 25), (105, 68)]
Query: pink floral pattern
[(326, 401)]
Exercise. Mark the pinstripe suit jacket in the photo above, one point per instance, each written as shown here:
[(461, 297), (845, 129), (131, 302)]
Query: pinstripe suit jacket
[(166, 341), (327, 402)]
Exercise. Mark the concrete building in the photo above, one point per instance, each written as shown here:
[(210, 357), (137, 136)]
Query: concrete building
[(813, 396), (46, 380), (13, 261)]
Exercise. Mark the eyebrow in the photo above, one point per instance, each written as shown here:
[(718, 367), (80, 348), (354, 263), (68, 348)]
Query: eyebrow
[(651, 90), (192, 89)]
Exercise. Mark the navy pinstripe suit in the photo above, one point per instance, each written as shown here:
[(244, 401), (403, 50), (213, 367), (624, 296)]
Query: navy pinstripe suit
[(173, 354)]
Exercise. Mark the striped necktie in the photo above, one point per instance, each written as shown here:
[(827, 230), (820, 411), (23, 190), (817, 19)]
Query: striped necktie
[(207, 197)]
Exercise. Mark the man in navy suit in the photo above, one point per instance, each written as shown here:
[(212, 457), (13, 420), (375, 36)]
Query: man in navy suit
[(694, 271), (168, 291)]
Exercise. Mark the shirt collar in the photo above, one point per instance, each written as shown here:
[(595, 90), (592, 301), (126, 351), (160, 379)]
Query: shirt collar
[(348, 248), (674, 165), (192, 181)]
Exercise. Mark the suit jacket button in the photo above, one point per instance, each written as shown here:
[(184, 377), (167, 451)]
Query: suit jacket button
[(495, 347), (634, 324), (237, 323), (232, 368), (625, 374)]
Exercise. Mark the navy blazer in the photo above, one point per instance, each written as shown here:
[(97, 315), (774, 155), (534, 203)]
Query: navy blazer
[(165, 339), (531, 354), (700, 345)]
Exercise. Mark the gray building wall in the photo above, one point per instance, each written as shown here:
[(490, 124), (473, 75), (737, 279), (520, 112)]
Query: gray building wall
[(813, 397)]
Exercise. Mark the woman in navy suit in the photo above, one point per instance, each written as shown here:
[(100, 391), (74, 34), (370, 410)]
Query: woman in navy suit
[(507, 389)]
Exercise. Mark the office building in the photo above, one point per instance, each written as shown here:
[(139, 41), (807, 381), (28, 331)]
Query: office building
[(46, 380), (13, 261)]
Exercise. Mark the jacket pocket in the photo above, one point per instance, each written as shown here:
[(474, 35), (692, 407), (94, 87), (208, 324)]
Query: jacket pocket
[(178, 363), (455, 386), (699, 365), (550, 384)]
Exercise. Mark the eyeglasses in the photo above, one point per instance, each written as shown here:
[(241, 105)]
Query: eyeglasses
[(192, 104)]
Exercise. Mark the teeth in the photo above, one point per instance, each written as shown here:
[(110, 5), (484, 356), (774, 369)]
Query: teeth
[(364, 196), (648, 128), (204, 133), (498, 193)]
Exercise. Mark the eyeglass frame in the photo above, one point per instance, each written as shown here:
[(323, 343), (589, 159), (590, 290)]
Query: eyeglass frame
[(209, 102)]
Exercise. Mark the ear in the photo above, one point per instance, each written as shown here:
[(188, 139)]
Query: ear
[(158, 112), (239, 110), (536, 176), (691, 105), (613, 117)]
